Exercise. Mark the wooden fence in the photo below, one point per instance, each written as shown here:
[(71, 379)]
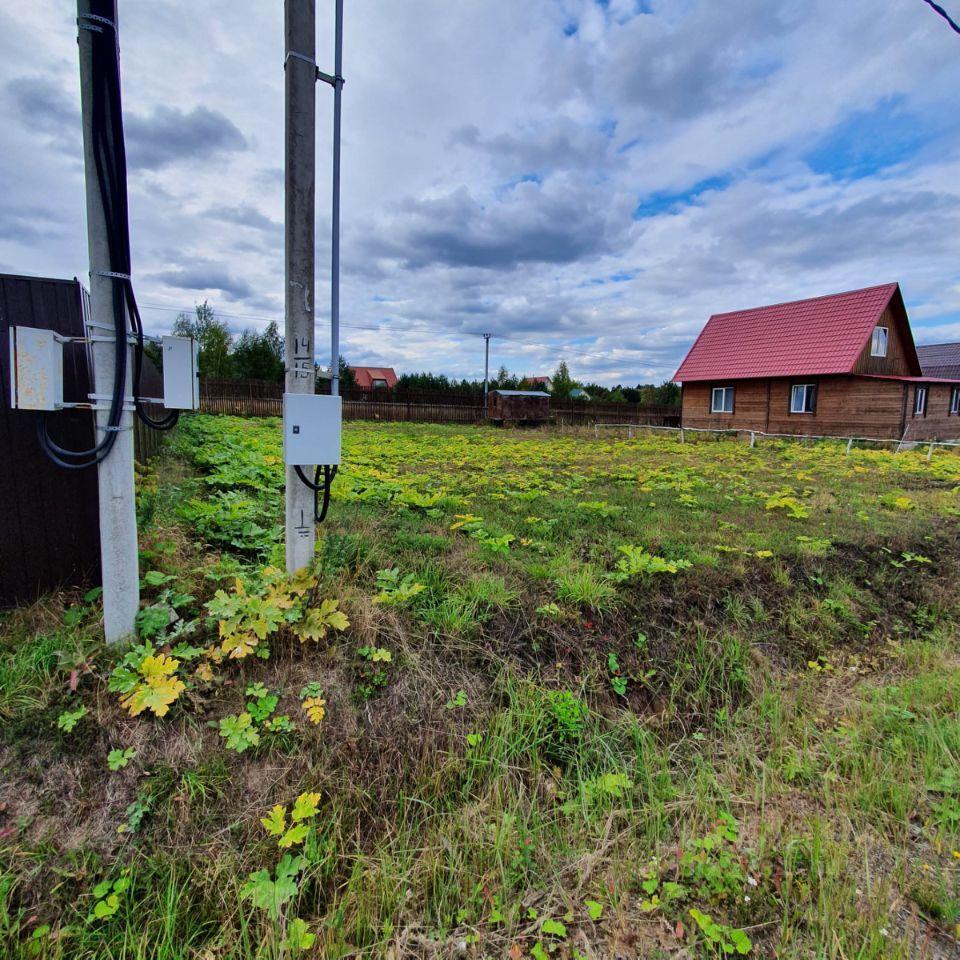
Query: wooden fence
[(263, 398), (50, 527)]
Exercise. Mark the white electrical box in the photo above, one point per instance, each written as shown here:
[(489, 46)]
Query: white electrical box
[(36, 369), (311, 429), (181, 383)]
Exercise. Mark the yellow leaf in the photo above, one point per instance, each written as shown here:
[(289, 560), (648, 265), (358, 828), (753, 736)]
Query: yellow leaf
[(305, 806), (276, 821), (316, 709)]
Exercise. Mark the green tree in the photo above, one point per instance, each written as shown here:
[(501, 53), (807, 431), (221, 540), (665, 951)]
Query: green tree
[(563, 383), (213, 339), (259, 356), (347, 380)]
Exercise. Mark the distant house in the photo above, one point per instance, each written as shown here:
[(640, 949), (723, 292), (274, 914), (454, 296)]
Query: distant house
[(578, 393), (840, 365), (940, 359), (374, 378), (544, 383)]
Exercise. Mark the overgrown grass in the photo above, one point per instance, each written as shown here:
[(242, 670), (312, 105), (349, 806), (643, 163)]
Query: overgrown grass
[(532, 741)]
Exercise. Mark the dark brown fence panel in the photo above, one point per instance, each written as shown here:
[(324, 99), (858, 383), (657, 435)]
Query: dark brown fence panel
[(263, 398), (50, 530), (589, 412)]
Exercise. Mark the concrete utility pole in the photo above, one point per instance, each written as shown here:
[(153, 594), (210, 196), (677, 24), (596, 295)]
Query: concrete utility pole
[(300, 187), (486, 369), (335, 212), (118, 515)]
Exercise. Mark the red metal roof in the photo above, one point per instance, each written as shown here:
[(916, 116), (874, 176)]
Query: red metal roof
[(364, 376), (821, 336)]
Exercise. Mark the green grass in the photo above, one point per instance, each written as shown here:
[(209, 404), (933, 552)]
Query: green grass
[(547, 753)]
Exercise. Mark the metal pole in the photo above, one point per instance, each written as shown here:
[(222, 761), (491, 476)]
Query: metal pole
[(335, 217), (115, 479), (299, 186), (486, 368)]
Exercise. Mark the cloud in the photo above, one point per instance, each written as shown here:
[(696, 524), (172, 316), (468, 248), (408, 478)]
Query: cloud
[(168, 135), (559, 221), (244, 215), (593, 193), (203, 277)]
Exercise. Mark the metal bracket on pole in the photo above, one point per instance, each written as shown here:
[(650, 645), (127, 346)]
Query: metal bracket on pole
[(332, 79)]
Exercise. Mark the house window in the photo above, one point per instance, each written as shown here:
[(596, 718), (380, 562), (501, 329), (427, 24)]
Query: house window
[(955, 400), (920, 402), (379, 384), (878, 344), (721, 400), (803, 398)]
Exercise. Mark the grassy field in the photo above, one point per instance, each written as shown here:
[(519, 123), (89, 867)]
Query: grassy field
[(542, 696)]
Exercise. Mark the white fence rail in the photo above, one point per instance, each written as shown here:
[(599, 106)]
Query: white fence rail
[(754, 434)]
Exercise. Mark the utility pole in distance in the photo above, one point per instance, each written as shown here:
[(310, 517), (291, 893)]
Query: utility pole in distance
[(118, 513), (300, 188), (486, 370)]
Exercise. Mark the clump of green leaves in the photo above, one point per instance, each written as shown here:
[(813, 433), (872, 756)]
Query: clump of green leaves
[(394, 590), (107, 896), (271, 892), (242, 731), (372, 671), (70, 718), (261, 606), (117, 759), (636, 562), (148, 680)]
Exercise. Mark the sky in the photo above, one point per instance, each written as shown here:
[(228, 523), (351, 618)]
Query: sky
[(586, 180)]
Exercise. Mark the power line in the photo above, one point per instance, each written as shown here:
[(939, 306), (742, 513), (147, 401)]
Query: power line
[(943, 13)]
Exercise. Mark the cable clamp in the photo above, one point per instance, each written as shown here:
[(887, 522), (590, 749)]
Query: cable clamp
[(106, 21), (113, 275)]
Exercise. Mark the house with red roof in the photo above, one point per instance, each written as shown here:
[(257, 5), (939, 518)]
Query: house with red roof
[(374, 378), (843, 365)]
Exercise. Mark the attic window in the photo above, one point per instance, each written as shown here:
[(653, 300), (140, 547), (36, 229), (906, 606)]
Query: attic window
[(878, 343), (379, 384), (721, 400)]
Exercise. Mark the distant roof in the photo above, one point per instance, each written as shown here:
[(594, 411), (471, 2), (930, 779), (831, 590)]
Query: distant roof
[(940, 359), (522, 393), (364, 376), (820, 336), (538, 379)]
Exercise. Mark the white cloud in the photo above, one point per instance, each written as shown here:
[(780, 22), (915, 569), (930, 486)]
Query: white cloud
[(492, 165)]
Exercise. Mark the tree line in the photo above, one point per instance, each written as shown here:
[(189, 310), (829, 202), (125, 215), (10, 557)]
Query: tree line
[(259, 356)]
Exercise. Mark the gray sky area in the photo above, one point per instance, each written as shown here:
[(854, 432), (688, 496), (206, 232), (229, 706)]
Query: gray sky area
[(587, 180)]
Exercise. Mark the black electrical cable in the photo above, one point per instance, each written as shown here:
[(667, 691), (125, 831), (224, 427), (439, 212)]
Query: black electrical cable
[(105, 113), (329, 474), (943, 13), (110, 165)]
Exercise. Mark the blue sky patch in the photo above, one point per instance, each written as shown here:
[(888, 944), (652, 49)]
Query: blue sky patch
[(870, 141), (666, 201)]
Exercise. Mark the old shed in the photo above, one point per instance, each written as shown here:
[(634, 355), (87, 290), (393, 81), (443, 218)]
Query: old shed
[(518, 406)]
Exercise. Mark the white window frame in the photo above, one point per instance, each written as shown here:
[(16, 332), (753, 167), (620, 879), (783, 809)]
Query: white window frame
[(919, 401), (955, 400), (807, 389), (723, 391), (876, 349)]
